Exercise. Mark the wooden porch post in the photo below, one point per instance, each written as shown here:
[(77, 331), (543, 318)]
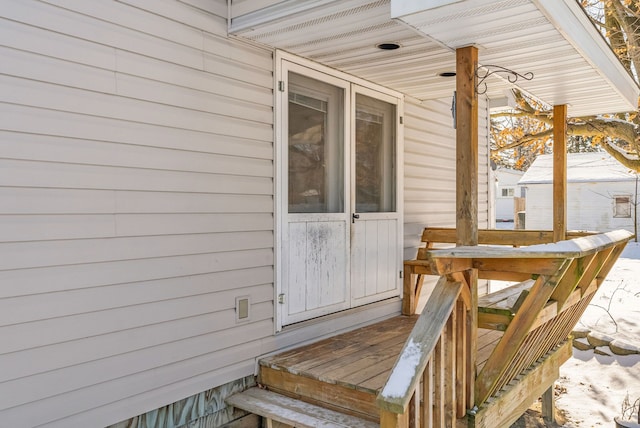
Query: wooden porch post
[(467, 195), (559, 172), (466, 146)]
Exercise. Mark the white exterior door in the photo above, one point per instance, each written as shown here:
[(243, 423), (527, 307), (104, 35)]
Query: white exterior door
[(339, 226), (376, 225)]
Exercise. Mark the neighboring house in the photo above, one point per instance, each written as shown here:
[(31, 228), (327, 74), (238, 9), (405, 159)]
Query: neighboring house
[(506, 189), (601, 193), (187, 185)]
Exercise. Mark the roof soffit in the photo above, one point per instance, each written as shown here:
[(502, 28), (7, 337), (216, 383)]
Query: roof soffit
[(571, 66)]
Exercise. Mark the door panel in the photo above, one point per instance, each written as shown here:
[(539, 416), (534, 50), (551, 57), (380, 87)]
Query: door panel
[(315, 242), (317, 273), (375, 243), (339, 233), (374, 260)]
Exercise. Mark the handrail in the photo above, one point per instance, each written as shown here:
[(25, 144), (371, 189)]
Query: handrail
[(408, 369), (578, 247), (499, 237), (566, 275)]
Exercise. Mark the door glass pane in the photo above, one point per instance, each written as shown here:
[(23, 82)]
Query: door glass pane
[(316, 146), (375, 155)]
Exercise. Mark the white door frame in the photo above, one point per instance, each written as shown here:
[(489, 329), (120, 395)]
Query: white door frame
[(285, 62)]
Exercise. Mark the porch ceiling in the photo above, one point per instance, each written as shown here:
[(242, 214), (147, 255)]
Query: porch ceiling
[(554, 39)]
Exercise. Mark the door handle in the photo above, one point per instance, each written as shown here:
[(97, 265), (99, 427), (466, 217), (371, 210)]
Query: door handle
[(354, 217)]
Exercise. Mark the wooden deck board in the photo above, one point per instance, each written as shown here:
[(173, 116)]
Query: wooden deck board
[(356, 356), (327, 350), (360, 359)]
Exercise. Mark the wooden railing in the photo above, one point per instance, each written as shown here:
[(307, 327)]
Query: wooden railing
[(516, 238), (434, 380), (428, 385)]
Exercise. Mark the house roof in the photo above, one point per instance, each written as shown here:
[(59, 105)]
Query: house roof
[(581, 167), (554, 39)]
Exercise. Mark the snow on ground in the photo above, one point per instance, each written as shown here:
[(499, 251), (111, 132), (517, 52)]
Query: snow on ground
[(592, 387)]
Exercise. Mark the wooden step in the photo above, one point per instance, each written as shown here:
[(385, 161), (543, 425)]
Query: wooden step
[(276, 407)]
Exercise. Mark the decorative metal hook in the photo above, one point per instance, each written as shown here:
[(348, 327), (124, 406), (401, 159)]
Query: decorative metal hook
[(512, 76)]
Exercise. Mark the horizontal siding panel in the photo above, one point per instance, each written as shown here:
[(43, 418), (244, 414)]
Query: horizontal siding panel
[(64, 21), (55, 407), (134, 19), (134, 224), (59, 356), (22, 255), (51, 227), (47, 174), (228, 86), (170, 94), (229, 68), (214, 7), (70, 201), (67, 303), (114, 320), (69, 150), (156, 202), (241, 7), (46, 227), (55, 44), (155, 398), (42, 121), (61, 72), (432, 170), (18, 200), (49, 331), (21, 282), (242, 54), (43, 95), (178, 311), (172, 10)]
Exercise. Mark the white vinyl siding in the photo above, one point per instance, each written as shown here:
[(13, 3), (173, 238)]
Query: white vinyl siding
[(243, 7), (430, 169), (430, 172), (590, 206), (136, 180)]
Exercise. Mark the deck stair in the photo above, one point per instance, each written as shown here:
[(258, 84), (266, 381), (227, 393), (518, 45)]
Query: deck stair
[(275, 407), (466, 360), (343, 372)]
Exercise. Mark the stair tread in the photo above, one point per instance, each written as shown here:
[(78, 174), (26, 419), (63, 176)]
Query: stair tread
[(294, 412)]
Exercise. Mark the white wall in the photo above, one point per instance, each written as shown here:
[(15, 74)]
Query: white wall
[(242, 7), (430, 170), (136, 180), (589, 206), (506, 179)]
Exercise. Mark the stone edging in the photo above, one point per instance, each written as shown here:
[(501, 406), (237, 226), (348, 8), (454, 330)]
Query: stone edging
[(601, 343)]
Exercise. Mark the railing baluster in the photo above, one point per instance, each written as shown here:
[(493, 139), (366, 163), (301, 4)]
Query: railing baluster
[(450, 370), (461, 364), (427, 395), (438, 384)]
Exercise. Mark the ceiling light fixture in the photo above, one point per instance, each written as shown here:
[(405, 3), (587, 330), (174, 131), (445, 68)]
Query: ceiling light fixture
[(390, 46)]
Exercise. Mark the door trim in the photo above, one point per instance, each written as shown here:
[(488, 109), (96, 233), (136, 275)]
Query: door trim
[(329, 75)]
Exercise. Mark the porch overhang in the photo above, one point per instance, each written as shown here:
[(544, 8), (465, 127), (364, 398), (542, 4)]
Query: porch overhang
[(554, 39)]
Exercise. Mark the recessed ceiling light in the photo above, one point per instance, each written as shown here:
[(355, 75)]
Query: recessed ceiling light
[(388, 46), (447, 74)]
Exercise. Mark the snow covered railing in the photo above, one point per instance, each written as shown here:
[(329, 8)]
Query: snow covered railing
[(434, 379), (516, 238), (428, 385)]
